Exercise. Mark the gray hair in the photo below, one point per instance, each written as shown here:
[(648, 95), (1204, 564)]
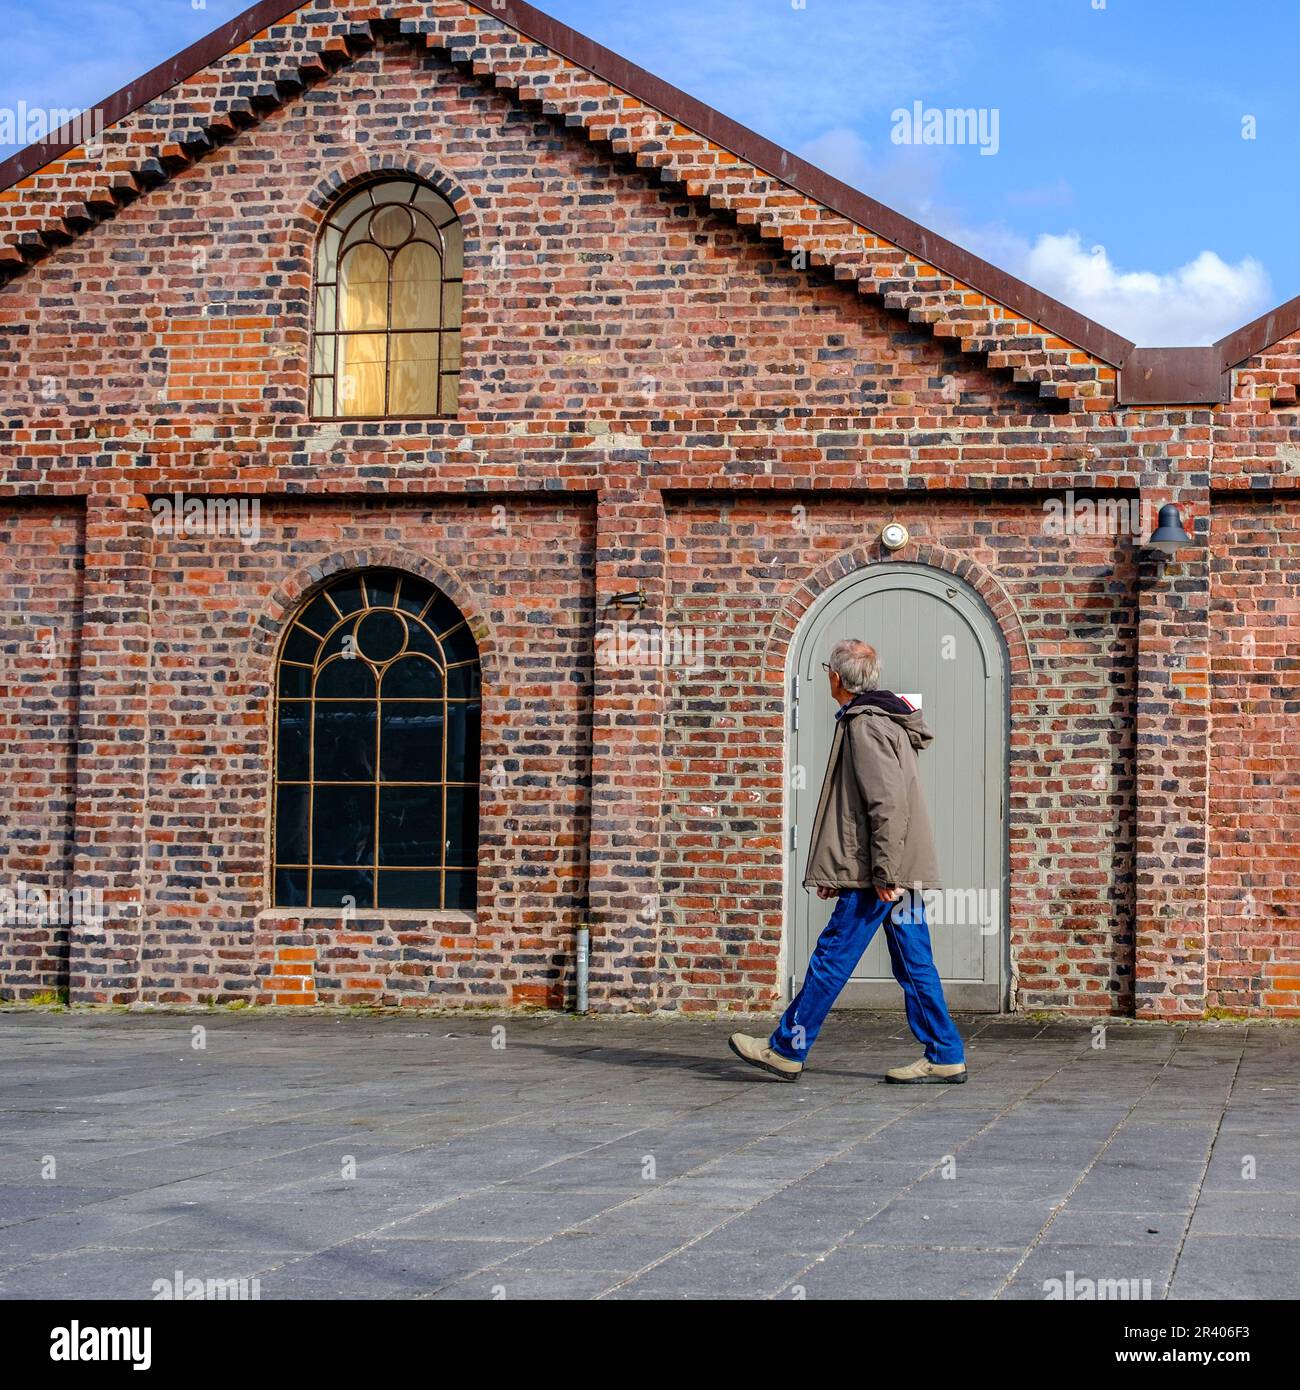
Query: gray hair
[(856, 664)]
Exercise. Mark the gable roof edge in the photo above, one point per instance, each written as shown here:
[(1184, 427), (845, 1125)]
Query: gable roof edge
[(1257, 335), (1027, 302), (1023, 299), (998, 285), (149, 87)]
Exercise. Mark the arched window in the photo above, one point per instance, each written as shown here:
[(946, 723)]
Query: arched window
[(377, 749), (388, 301)]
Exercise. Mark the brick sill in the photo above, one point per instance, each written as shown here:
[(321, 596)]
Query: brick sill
[(441, 917)]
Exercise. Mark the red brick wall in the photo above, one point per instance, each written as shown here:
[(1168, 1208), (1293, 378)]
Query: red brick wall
[(733, 567), (1255, 808), (522, 574), (650, 385), (40, 638)]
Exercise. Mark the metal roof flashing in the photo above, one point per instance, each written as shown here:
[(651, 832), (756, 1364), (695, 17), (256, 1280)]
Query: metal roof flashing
[(1173, 376)]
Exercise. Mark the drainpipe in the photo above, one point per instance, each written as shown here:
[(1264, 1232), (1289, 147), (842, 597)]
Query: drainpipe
[(583, 962)]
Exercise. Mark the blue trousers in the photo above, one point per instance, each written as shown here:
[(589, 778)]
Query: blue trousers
[(839, 948)]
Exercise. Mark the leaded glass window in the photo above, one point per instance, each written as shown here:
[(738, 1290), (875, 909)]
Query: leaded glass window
[(388, 305), (377, 749)]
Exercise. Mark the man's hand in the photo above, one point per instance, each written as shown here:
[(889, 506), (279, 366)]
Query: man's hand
[(824, 892)]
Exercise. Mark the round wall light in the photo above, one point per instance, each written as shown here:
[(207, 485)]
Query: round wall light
[(894, 536)]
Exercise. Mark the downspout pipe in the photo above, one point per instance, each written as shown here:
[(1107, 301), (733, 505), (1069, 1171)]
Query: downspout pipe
[(582, 963)]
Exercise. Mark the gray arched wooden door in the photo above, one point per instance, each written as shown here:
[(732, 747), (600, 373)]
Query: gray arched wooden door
[(937, 645)]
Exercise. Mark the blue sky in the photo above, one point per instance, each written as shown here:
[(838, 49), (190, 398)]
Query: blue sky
[(1121, 184)]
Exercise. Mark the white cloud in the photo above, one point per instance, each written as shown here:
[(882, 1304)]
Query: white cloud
[(1188, 306), (1191, 305)]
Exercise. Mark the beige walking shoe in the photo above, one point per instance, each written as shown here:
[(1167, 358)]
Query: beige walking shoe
[(921, 1072), (756, 1052)]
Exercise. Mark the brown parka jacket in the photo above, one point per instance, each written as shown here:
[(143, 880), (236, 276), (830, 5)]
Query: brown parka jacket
[(872, 828)]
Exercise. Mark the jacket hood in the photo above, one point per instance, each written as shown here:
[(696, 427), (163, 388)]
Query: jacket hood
[(887, 705)]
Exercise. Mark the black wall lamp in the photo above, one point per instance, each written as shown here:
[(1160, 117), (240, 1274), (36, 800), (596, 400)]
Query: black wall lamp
[(634, 598), (1170, 534)]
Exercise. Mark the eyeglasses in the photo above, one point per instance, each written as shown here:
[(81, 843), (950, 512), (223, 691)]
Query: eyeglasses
[(826, 666)]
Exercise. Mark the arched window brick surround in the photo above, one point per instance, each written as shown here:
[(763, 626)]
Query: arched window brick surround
[(342, 180), (303, 583), (289, 944), (352, 173)]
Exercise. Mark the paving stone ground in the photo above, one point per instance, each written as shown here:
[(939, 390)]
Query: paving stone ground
[(617, 1158)]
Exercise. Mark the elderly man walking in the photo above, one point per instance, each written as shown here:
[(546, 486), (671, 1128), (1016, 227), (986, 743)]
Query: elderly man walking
[(872, 846)]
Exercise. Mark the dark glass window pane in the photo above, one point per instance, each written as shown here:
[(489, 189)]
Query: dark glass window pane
[(319, 616), (380, 636), (409, 890), (291, 807), (295, 681), (291, 743), (291, 888), (412, 677), (462, 826), (345, 742), (462, 743), (411, 747), (381, 585), (329, 888), (343, 825), (464, 682), (459, 644), (423, 641), (334, 643), (347, 594), (410, 825), (461, 890), (300, 645), (443, 614), (346, 676), (415, 594)]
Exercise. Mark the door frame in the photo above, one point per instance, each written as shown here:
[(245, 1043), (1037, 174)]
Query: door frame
[(992, 642)]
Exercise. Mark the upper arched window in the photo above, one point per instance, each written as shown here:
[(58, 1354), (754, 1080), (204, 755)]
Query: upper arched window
[(377, 749), (388, 302)]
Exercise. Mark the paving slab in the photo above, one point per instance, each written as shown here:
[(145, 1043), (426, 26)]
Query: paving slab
[(411, 1157), (1093, 1272)]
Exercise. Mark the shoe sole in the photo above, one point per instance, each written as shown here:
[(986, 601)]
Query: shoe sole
[(957, 1080), (765, 1066)]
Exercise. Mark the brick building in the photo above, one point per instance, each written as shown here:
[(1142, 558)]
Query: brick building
[(427, 443)]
